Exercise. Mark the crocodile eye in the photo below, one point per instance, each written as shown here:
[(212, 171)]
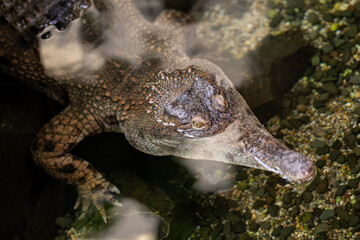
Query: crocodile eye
[(219, 103), (199, 123)]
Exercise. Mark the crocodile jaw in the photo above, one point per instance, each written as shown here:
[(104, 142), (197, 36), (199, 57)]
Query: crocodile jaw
[(251, 146)]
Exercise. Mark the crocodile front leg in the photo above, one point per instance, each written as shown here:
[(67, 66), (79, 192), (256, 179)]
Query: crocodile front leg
[(50, 150)]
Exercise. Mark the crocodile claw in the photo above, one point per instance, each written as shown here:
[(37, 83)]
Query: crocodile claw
[(102, 192)]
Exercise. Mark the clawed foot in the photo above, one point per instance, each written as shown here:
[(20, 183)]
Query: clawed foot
[(97, 193)]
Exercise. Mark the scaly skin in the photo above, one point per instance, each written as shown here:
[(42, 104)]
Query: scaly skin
[(128, 75)]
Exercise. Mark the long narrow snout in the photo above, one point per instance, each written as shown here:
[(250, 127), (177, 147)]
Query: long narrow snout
[(247, 143), (276, 157)]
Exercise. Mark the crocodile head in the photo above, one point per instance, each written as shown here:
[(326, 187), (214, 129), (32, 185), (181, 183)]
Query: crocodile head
[(195, 112)]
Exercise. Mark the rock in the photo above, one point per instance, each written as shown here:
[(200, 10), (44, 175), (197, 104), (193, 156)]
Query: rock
[(317, 144), (239, 227), (353, 183), (334, 154), (353, 30), (258, 204), (301, 108), (286, 232), (277, 231), (354, 220), (355, 79), (342, 213), (306, 217), (341, 190), (204, 232), (336, 145), (327, 48), (273, 210), (321, 227), (312, 18), (307, 197), (242, 185), (330, 88), (327, 214), (227, 228), (322, 150), (253, 226), (320, 163), (322, 186), (350, 140), (294, 212), (351, 159)]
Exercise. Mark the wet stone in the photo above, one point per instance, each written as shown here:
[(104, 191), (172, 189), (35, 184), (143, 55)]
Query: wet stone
[(288, 197), (217, 229), (265, 225), (355, 170), (315, 60), (276, 231), (242, 185), (323, 96), (253, 226), (269, 200), (341, 190), (330, 88), (221, 210), (327, 48), (241, 175), (357, 111), (335, 224), (204, 232), (322, 150), (239, 227), (357, 151), (258, 204), (301, 108), (344, 224), (306, 217), (353, 30), (276, 20), (213, 219), (294, 212), (321, 227), (313, 34), (351, 159), (338, 42), (320, 163), (341, 159), (344, 92), (317, 144), (334, 154), (271, 191), (355, 79), (322, 186), (354, 220), (342, 213), (259, 193), (273, 210), (272, 181), (350, 140), (245, 236), (286, 232), (353, 183), (313, 18), (227, 228), (307, 197), (231, 217), (327, 214)]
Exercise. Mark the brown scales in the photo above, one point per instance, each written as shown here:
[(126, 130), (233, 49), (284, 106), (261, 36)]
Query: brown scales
[(137, 79)]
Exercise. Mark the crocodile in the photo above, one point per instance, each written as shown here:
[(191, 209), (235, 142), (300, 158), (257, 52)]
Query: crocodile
[(116, 71)]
